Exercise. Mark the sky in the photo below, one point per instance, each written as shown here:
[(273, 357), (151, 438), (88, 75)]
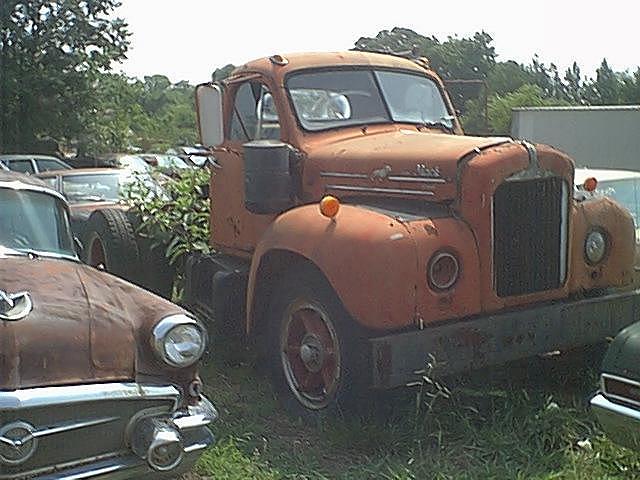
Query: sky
[(188, 39)]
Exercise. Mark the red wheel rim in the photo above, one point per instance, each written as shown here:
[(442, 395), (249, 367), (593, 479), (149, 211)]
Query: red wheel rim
[(310, 354), (97, 258)]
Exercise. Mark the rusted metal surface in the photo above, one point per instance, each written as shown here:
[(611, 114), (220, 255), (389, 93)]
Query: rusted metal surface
[(377, 261), (474, 343), (86, 326)]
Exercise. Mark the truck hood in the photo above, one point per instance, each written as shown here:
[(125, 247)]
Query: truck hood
[(84, 325), (404, 159)]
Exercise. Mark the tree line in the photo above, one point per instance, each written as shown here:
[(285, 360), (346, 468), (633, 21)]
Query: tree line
[(57, 84)]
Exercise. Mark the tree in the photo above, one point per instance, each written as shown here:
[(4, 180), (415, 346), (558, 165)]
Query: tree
[(526, 96), (52, 53), (573, 84), (606, 88)]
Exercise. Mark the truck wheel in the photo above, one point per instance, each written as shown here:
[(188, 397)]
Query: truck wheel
[(317, 352), (111, 243)]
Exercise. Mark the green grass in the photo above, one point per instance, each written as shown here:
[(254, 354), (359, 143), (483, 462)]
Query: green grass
[(525, 421)]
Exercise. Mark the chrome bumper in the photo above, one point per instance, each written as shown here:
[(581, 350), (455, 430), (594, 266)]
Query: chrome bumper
[(190, 424), (619, 422)]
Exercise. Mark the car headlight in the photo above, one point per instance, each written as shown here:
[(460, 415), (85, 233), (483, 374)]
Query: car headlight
[(179, 340), (595, 246)]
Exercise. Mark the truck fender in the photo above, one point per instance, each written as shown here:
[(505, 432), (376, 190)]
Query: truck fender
[(368, 258)]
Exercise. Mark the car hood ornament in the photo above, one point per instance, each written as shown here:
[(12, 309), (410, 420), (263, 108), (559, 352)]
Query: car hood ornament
[(14, 306)]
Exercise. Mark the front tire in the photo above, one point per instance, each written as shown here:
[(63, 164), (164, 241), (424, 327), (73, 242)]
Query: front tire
[(316, 350)]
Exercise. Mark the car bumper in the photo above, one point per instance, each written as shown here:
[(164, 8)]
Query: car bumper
[(620, 422), (188, 427), (477, 342)]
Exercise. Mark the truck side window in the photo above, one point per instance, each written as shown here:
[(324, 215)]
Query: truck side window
[(254, 114)]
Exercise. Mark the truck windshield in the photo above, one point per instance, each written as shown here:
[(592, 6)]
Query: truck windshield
[(34, 222), (340, 98)]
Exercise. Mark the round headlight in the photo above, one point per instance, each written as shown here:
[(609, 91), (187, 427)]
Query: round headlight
[(595, 246), (179, 340), (443, 271)]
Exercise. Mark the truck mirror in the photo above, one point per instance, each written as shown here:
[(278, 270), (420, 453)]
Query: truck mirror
[(209, 108)]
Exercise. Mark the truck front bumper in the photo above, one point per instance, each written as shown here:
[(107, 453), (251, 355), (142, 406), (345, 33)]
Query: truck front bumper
[(477, 342)]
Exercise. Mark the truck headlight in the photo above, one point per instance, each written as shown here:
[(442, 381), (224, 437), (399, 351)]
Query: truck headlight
[(595, 246), (179, 340), (443, 271)]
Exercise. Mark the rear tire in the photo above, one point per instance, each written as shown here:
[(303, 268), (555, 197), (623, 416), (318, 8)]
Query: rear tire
[(315, 349), (111, 244)]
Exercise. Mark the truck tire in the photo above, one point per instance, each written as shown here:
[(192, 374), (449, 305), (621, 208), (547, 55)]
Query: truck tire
[(111, 244), (315, 349)]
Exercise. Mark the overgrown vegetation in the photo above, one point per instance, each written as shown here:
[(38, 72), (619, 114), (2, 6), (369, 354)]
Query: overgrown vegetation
[(175, 218), (523, 421)]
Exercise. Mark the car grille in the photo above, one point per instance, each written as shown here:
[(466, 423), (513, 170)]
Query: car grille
[(81, 432), (529, 245), (621, 389)]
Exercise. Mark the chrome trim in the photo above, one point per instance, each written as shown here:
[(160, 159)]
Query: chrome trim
[(20, 305), (34, 434), (195, 447), (75, 463), (17, 445), (454, 278), (162, 329), (601, 402), (564, 232), (66, 395), (361, 176), (68, 426), (349, 188), (18, 185), (409, 178), (621, 380), (123, 463)]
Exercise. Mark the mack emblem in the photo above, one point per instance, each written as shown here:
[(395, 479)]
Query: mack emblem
[(423, 170)]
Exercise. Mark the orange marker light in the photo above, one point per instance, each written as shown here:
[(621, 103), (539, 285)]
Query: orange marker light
[(590, 184), (329, 206)]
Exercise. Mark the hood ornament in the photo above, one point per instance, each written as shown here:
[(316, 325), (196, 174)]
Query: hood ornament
[(15, 306)]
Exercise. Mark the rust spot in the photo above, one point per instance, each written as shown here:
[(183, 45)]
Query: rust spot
[(430, 229)]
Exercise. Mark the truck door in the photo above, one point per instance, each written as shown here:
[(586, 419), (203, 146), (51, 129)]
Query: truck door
[(252, 116)]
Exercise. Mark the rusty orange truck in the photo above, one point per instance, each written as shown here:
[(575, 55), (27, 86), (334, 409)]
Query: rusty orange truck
[(358, 232)]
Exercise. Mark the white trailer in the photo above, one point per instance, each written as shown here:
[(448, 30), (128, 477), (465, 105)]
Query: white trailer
[(595, 137)]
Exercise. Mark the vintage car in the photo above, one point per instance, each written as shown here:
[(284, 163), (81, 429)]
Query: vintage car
[(98, 378), (621, 185), (165, 163), (32, 163), (617, 403), (100, 221)]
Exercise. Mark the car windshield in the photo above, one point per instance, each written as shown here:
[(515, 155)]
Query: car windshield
[(34, 222), (626, 192), (101, 187), (339, 98), (133, 163)]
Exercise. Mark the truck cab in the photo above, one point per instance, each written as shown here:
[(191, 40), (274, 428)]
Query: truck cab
[(358, 232)]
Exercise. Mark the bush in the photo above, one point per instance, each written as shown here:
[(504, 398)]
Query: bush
[(177, 218)]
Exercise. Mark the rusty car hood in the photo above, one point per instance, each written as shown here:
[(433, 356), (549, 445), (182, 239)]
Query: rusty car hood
[(84, 327), (403, 159)]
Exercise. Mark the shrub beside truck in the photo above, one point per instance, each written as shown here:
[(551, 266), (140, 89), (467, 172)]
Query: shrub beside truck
[(358, 232)]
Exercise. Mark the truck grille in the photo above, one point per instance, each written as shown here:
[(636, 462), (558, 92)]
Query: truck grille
[(72, 434), (529, 244)]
